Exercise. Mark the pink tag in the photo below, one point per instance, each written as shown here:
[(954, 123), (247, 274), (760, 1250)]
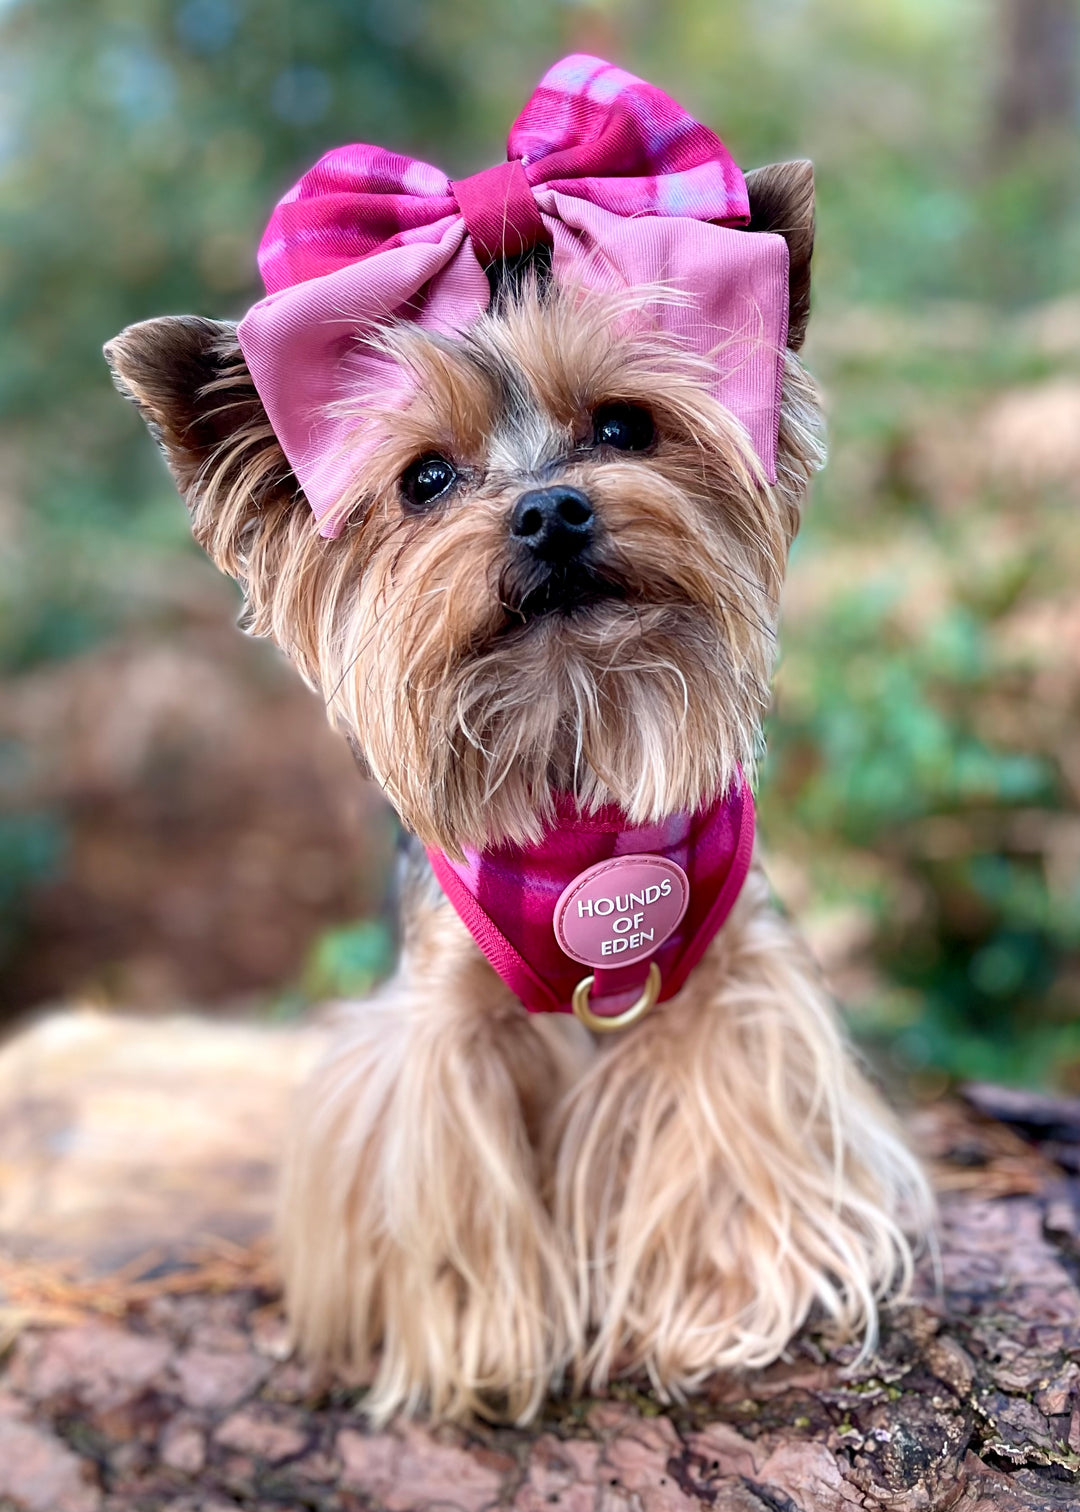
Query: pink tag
[(621, 911)]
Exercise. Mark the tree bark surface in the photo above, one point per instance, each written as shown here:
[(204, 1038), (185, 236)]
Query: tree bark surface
[(166, 1385)]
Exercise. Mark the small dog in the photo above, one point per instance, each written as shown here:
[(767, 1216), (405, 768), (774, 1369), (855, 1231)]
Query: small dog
[(509, 469)]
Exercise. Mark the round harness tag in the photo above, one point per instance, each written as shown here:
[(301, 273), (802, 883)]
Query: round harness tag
[(621, 911)]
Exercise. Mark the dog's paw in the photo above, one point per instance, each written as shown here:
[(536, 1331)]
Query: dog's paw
[(416, 1249)]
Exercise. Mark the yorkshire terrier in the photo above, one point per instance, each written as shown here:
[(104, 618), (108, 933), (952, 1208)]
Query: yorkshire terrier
[(509, 468)]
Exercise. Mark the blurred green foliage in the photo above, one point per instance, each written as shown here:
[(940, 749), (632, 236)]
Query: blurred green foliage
[(141, 147), (349, 961), (345, 962), (31, 850), (922, 766)]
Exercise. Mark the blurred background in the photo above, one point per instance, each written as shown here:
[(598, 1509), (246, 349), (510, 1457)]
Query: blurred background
[(177, 826)]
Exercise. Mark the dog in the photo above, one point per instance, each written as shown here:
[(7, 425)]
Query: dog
[(509, 468)]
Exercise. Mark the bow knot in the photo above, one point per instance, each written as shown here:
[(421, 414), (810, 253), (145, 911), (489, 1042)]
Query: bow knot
[(499, 212)]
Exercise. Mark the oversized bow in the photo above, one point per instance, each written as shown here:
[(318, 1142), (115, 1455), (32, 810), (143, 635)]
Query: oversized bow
[(624, 186)]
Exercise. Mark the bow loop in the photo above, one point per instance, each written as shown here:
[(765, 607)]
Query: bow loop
[(598, 133), (355, 202), (590, 130)]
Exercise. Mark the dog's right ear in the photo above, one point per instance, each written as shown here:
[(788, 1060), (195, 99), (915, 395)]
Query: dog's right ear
[(782, 201), (188, 378)]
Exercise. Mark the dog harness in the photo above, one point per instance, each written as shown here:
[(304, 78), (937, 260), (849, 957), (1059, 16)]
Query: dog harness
[(627, 190), (635, 906)]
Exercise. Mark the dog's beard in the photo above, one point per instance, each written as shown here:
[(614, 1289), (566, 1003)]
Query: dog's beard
[(637, 704), (478, 702)]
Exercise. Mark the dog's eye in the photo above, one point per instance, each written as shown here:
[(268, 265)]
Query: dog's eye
[(627, 427), (426, 480)]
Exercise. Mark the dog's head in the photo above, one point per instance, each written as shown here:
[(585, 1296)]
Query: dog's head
[(561, 560)]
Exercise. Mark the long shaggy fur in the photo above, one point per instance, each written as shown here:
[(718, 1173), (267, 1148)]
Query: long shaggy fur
[(725, 1173), (414, 1233), (480, 1205)]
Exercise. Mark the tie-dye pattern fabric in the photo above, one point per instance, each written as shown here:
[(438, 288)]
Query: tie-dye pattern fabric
[(506, 896), (590, 130)]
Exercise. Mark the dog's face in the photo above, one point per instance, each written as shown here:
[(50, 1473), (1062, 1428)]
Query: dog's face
[(560, 564)]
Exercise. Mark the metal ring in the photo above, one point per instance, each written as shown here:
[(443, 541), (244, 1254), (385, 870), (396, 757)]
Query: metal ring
[(601, 1025)]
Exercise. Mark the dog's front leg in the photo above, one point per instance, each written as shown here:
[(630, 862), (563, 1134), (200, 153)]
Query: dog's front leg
[(724, 1171), (414, 1240)]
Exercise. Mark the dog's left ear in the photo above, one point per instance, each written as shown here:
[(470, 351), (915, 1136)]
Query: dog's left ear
[(187, 377), (782, 201)]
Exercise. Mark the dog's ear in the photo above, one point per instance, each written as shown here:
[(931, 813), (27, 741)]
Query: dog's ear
[(782, 201), (188, 378)]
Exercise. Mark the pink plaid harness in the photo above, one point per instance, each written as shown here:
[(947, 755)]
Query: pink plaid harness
[(522, 904)]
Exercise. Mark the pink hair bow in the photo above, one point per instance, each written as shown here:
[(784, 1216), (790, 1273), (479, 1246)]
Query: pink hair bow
[(624, 186)]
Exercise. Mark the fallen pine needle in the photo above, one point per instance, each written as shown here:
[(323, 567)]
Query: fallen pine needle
[(43, 1294)]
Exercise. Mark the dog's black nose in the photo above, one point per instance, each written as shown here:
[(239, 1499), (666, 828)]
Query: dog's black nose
[(554, 523)]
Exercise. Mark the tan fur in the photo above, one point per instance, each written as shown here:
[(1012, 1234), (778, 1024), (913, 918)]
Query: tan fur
[(483, 1206), (414, 1234), (724, 1172), (480, 1205)]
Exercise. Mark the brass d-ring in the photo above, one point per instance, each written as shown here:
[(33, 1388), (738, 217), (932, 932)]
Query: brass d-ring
[(601, 1025)]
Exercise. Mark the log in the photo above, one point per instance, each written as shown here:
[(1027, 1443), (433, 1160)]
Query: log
[(167, 1384)]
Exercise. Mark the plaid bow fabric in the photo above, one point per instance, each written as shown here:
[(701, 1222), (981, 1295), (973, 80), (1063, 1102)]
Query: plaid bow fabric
[(590, 130), (610, 172)]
